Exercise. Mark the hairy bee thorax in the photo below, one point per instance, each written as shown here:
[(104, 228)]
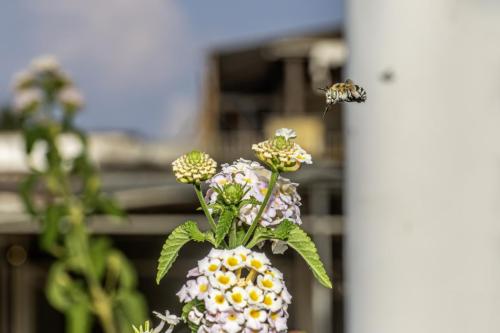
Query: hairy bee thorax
[(344, 92)]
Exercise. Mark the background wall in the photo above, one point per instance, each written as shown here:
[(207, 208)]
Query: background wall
[(423, 174)]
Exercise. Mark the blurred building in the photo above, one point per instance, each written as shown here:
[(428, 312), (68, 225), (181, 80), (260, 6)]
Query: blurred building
[(250, 90)]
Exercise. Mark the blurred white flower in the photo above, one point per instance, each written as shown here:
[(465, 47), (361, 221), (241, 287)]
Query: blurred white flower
[(27, 99), (71, 98), (22, 79), (45, 63)]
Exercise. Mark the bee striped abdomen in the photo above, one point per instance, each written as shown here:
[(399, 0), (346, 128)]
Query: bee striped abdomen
[(344, 92)]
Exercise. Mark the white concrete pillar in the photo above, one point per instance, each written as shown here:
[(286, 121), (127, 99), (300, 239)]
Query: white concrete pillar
[(423, 167)]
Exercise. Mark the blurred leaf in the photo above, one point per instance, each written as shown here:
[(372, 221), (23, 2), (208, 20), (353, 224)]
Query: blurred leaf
[(26, 191), (127, 274), (109, 206), (50, 226), (61, 290), (130, 309), (31, 136), (78, 318), (75, 242), (99, 251)]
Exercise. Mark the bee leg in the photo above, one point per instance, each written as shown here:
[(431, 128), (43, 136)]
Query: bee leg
[(326, 110)]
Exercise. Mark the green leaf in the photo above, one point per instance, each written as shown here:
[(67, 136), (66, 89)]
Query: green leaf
[(283, 229), (297, 239), (209, 237), (300, 242), (61, 290), (50, 227), (127, 273), (240, 234), (26, 190), (99, 251), (195, 233), (130, 309), (223, 225), (170, 251), (78, 319), (109, 206), (200, 305)]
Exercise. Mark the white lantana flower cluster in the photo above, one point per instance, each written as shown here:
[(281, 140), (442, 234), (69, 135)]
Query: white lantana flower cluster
[(240, 292), (283, 204), (45, 78)]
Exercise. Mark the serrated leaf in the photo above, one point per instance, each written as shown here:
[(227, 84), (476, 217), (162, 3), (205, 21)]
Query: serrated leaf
[(195, 233), (300, 242), (223, 225), (209, 237), (283, 229), (170, 250)]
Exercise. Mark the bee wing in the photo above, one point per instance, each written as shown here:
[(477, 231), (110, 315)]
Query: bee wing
[(355, 91)]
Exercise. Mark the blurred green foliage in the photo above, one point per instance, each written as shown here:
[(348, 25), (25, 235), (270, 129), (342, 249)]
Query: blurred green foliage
[(89, 281)]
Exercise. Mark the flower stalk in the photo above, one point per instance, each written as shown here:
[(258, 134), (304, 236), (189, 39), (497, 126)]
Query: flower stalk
[(263, 206), (211, 222)]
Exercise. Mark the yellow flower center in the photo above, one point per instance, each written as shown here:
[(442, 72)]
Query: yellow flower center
[(213, 267), (263, 191), (222, 181), (219, 299), (232, 261), (237, 297), (268, 300), (255, 314), (232, 316), (267, 283), (274, 316), (254, 296), (243, 257), (256, 263), (203, 287), (223, 279)]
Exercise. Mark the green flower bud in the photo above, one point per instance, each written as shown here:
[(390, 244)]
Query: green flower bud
[(194, 167), (232, 193)]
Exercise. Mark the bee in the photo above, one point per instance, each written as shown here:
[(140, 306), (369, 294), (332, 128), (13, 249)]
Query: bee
[(343, 92)]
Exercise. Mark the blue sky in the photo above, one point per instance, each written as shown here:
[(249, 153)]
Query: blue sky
[(140, 63)]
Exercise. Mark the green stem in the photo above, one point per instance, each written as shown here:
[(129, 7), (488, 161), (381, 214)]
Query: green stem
[(272, 182), (233, 236), (197, 189)]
